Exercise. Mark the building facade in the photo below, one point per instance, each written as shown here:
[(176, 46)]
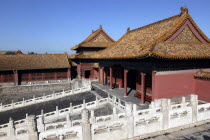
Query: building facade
[(22, 69), (158, 60), (96, 41)]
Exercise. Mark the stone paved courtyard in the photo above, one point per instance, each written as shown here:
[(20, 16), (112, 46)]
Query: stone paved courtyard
[(49, 106)]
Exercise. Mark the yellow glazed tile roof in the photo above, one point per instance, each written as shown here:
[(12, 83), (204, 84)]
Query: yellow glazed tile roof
[(201, 74), (34, 61), (98, 38), (150, 40)]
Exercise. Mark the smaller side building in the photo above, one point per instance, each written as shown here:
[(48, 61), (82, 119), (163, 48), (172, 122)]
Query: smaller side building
[(21, 69), (10, 52), (96, 41)]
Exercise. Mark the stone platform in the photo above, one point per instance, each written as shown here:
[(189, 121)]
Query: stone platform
[(118, 92)]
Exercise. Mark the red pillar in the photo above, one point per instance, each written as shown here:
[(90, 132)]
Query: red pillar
[(125, 82), (68, 74), (111, 77), (153, 85), (102, 78), (99, 75), (142, 88), (16, 77)]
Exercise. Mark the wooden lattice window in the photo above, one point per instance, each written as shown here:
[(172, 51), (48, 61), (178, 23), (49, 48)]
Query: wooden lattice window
[(61, 75), (8, 78)]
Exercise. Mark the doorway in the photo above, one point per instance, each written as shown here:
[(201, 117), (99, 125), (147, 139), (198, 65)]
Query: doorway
[(87, 73)]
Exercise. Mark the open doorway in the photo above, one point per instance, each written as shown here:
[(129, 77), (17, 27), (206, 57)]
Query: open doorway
[(87, 73), (132, 79)]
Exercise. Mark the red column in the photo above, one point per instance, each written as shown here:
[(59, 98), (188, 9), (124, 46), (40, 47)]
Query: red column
[(125, 82), (142, 88), (68, 74), (153, 85), (99, 75), (102, 78), (111, 77), (16, 77)]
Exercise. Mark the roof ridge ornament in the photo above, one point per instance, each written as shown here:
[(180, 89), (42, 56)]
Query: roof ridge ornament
[(128, 29), (92, 31), (184, 9), (100, 26)]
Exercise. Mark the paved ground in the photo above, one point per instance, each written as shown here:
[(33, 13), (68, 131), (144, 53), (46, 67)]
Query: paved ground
[(20, 113), (119, 93), (201, 132), (7, 98)]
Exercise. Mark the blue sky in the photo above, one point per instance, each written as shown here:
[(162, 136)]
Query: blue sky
[(54, 26)]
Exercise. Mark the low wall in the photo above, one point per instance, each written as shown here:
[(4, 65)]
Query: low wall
[(202, 89), (174, 83), (34, 88)]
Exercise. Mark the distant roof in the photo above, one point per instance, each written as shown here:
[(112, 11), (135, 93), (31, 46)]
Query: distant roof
[(33, 61), (80, 55), (5, 52), (155, 40), (203, 75), (97, 39)]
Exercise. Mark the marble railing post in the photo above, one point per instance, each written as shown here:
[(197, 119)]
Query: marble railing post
[(13, 106), (84, 104), (68, 120), (32, 131), (11, 130), (134, 110), (165, 105), (92, 117), (183, 102), (97, 101), (57, 111), (130, 120), (71, 108), (41, 124), (194, 105), (115, 113), (86, 127), (34, 98)]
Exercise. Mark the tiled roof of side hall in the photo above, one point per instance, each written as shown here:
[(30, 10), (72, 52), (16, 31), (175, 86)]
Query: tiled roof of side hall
[(5, 52), (34, 61), (151, 41), (98, 38), (203, 75), (81, 54)]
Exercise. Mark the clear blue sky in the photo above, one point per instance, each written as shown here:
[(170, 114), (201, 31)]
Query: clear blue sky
[(54, 26)]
